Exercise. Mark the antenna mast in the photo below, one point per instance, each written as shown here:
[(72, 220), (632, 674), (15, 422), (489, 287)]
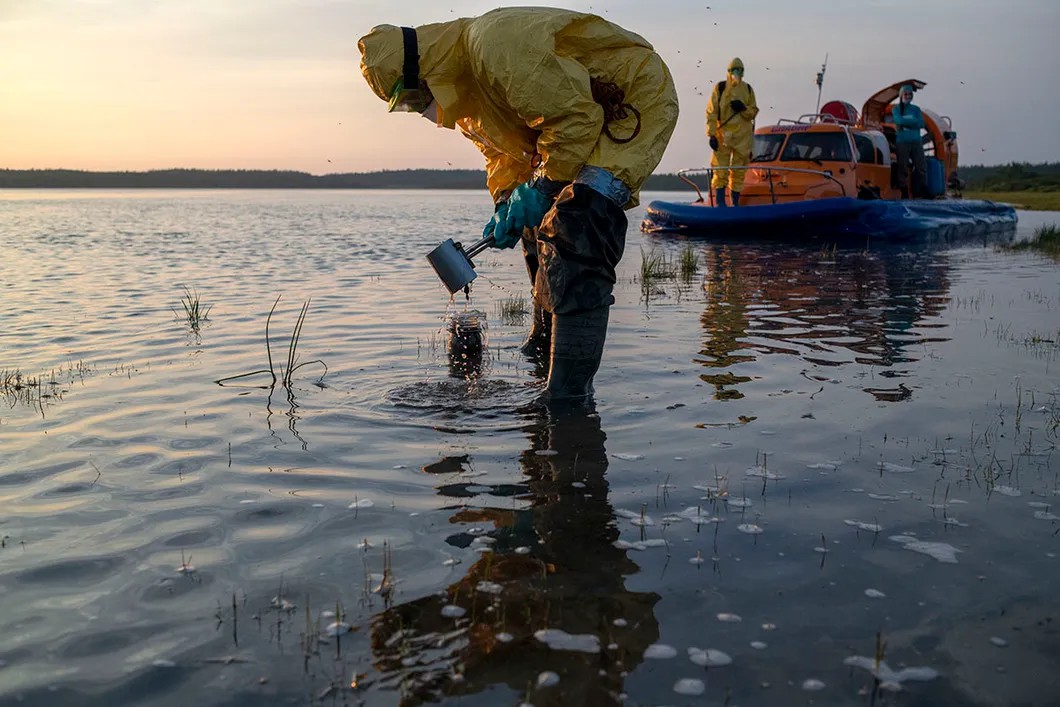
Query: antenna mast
[(820, 82)]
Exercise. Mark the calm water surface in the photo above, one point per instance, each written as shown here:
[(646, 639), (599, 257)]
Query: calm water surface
[(800, 455)]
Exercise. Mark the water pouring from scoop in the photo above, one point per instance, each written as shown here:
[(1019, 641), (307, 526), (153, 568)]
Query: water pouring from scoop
[(453, 263)]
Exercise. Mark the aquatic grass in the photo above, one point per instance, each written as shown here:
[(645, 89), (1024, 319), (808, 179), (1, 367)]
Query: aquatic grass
[(292, 353), (654, 265), (1046, 240), (689, 263), (194, 311), (512, 310)]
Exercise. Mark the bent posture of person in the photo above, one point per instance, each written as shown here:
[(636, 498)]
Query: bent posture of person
[(572, 114), (731, 115), (908, 122)]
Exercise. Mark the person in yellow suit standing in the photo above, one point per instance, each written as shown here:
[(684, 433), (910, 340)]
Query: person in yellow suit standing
[(730, 127), (572, 114)]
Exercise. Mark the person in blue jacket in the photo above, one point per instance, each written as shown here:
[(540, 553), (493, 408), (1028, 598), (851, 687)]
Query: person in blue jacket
[(908, 122)]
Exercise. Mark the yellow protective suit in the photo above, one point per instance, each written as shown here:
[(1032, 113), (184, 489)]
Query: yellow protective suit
[(734, 131), (516, 82)]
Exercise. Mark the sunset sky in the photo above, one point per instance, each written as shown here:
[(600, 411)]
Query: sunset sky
[(144, 84)]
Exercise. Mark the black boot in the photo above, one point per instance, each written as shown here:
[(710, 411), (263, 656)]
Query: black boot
[(538, 341), (577, 346)]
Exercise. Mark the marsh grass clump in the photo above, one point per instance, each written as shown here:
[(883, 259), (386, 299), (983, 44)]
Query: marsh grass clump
[(194, 312), (1046, 240), (292, 354), (689, 263), (654, 265), (512, 310)]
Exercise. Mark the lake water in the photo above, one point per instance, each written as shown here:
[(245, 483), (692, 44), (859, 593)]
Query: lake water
[(802, 457)]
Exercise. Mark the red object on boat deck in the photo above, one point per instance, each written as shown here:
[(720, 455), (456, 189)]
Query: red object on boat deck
[(841, 111)]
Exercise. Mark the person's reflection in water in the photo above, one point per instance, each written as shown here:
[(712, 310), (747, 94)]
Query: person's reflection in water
[(552, 565), (830, 308)]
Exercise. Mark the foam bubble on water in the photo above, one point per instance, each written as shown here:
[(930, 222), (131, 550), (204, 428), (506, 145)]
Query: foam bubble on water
[(875, 594), (895, 468), (759, 645), (1045, 515), (489, 587), (451, 561), (763, 473), (698, 559), (660, 651), (729, 618), (160, 663), (689, 686), (559, 640), (505, 637), (547, 679), (749, 528), (545, 452), (679, 459), (365, 545), (943, 552), (318, 505), (820, 549), (998, 641), (882, 497), (337, 628), (522, 550), (739, 502), (1007, 490), (620, 622), (627, 457), (452, 611), (327, 614), (248, 500), (709, 658), (812, 685), (889, 679), (871, 527), (362, 503), (824, 466), (578, 484), (722, 445), (1038, 504)]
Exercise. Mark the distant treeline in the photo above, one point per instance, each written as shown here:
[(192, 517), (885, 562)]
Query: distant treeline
[(265, 179), (1011, 177), (1015, 176)]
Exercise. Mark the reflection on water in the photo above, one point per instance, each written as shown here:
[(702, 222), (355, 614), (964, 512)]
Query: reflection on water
[(828, 308), (547, 592), (413, 528)]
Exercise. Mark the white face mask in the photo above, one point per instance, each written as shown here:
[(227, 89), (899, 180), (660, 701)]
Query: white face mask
[(431, 112)]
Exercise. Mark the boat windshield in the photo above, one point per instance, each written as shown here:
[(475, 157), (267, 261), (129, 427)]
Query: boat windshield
[(817, 147), (767, 147)]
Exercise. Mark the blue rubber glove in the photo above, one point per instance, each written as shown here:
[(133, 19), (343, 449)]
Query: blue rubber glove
[(499, 212), (526, 207)]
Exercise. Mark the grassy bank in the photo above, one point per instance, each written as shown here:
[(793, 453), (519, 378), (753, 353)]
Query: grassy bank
[(1029, 200)]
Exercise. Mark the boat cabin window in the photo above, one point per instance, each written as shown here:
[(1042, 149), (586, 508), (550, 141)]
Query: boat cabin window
[(866, 150), (817, 147), (767, 147)]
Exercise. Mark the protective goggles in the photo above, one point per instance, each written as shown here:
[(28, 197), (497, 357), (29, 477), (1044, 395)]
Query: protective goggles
[(409, 100), (409, 93), (736, 71)]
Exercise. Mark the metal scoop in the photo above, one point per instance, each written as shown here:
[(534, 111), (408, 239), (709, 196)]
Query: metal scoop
[(453, 263)]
